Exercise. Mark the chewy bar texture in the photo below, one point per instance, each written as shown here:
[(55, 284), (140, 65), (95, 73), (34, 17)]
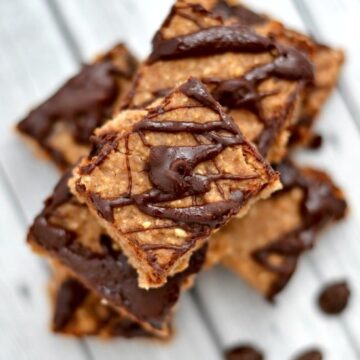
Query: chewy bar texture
[(327, 64), (61, 126), (66, 232), (78, 311), (264, 247), (260, 81), (162, 180)]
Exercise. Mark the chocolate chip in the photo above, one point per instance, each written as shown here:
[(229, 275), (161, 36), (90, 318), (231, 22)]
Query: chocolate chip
[(312, 354), (316, 142), (334, 298), (244, 352)]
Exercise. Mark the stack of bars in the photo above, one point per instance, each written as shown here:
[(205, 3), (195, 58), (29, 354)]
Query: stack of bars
[(179, 163)]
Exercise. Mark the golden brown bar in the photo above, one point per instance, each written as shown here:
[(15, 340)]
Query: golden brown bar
[(66, 232), (264, 247), (162, 180), (327, 64), (259, 80)]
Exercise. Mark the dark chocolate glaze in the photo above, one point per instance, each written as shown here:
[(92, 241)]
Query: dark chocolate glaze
[(334, 298), (321, 203), (69, 298), (242, 92), (244, 352), (171, 169), (108, 273), (83, 103), (244, 15)]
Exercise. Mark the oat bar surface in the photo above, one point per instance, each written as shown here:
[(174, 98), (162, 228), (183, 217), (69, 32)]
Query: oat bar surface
[(264, 247), (162, 180)]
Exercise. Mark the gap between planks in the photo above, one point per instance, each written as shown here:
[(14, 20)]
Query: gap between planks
[(64, 30)]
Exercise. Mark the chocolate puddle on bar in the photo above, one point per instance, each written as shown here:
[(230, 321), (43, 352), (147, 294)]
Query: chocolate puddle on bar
[(108, 273), (317, 207), (242, 91), (84, 103), (171, 169)]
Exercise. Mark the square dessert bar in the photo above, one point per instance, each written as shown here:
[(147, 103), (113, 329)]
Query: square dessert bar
[(67, 233), (61, 126), (264, 247), (78, 311), (259, 80), (161, 180), (327, 63)]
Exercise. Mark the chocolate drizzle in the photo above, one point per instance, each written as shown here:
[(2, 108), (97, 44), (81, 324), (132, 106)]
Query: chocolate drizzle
[(241, 92), (83, 103), (210, 41), (108, 273), (171, 169), (321, 203)]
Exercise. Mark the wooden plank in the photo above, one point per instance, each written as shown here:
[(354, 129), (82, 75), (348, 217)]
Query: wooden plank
[(338, 22), (295, 322), (34, 60), (24, 308), (29, 43), (25, 80)]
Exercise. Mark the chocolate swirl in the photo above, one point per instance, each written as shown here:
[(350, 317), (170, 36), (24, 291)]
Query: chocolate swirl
[(321, 203), (107, 273)]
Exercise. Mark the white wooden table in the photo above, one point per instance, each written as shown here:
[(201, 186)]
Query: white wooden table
[(42, 42)]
